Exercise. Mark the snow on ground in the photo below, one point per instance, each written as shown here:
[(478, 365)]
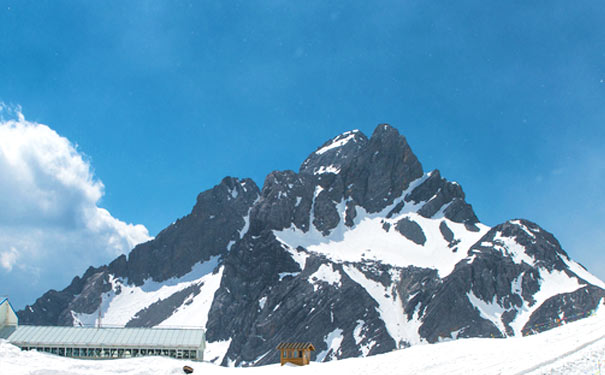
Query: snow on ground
[(491, 311), (390, 308), (575, 348), (215, 351), (581, 272), (508, 246), (120, 304), (326, 274), (360, 242), (333, 340), (552, 283), (338, 141), (194, 311)]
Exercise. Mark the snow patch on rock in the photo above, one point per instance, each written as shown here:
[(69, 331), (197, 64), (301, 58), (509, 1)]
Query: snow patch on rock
[(390, 308), (333, 341), (325, 273), (551, 284)]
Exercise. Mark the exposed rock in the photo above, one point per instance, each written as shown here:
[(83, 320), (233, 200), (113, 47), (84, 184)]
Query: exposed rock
[(447, 233), (411, 230), (564, 308), (216, 220)]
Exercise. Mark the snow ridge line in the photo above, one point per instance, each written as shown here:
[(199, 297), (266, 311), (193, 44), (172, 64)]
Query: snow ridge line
[(567, 354)]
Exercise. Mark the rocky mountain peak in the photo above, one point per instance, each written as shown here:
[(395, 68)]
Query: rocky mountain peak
[(540, 247), (335, 154), (216, 220), (360, 252), (442, 195), (384, 170)]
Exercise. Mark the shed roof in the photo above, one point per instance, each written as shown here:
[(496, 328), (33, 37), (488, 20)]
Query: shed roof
[(105, 337), (295, 346)]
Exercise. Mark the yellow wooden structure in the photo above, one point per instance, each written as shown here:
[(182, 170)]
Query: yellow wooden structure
[(298, 353)]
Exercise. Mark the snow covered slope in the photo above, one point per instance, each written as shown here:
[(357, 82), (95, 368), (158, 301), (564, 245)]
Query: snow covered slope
[(360, 252), (572, 349)]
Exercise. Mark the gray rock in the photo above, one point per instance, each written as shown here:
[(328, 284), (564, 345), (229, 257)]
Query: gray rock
[(411, 230), (446, 232), (569, 306), (216, 219)]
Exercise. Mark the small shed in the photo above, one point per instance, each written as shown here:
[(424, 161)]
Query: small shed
[(298, 353)]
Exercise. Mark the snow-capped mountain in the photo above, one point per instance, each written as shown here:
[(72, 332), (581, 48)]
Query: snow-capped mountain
[(360, 252)]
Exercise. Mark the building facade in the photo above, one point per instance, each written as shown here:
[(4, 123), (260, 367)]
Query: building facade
[(103, 342)]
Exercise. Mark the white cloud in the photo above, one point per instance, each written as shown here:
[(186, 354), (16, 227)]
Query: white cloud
[(8, 258), (51, 227)]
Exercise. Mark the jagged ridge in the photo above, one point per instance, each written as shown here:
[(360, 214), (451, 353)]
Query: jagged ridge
[(360, 252)]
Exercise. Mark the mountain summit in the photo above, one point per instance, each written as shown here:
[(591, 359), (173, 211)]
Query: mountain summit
[(360, 252)]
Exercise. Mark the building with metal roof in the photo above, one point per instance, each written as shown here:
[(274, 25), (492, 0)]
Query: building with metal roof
[(102, 342)]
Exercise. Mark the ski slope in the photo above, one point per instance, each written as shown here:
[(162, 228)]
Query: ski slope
[(575, 348)]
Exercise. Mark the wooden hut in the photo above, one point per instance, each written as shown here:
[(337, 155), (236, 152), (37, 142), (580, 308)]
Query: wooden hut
[(298, 353)]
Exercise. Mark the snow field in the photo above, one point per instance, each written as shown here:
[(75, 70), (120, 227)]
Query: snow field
[(360, 242), (117, 308), (575, 348)]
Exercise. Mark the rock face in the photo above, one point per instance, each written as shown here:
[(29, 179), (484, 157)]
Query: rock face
[(360, 252)]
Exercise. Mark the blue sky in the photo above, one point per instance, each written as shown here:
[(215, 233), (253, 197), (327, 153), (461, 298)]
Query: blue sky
[(166, 98)]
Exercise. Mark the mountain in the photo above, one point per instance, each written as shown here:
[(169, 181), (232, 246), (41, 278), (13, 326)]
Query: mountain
[(360, 252)]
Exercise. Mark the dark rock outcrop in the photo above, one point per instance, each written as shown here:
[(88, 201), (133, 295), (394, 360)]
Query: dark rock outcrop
[(411, 230)]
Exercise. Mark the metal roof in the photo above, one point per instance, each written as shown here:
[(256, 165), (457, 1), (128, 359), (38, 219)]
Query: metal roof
[(295, 345), (105, 337)]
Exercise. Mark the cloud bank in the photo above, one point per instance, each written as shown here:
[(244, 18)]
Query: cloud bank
[(51, 225)]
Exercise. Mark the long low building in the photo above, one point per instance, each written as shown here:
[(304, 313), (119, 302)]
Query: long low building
[(102, 342)]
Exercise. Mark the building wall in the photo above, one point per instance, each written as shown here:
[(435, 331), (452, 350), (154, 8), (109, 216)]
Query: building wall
[(100, 352), (7, 315)]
